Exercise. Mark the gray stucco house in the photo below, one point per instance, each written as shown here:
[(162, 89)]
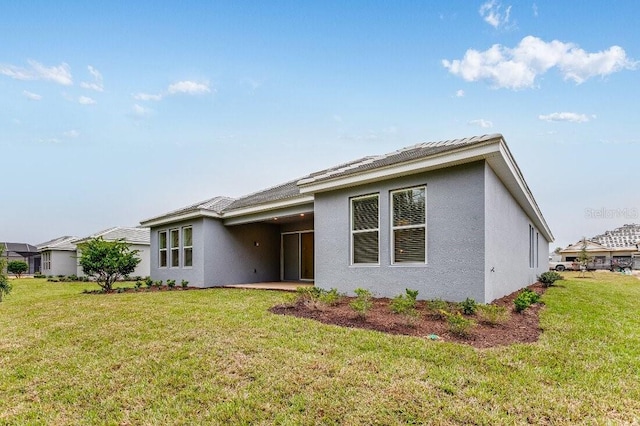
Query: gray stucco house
[(452, 219), (58, 256)]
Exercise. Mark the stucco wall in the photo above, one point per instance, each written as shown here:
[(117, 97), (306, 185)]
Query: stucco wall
[(62, 263), (455, 238), (507, 242), (232, 256), (193, 274)]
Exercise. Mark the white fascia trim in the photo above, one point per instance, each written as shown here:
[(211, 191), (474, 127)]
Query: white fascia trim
[(274, 205), (180, 217), (448, 159), (531, 206)]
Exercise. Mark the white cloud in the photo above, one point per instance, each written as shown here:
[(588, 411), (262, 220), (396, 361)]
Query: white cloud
[(72, 134), (517, 68), (485, 124), (188, 87), (138, 111), (565, 116), (31, 95), (459, 93), (85, 100), (535, 10), (97, 83), (147, 97), (491, 12), (60, 74)]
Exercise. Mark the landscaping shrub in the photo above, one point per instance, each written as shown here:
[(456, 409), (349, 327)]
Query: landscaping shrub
[(548, 278), (525, 299), (184, 283), (17, 267), (316, 297), (469, 306), (158, 283), (404, 303), (437, 306), (171, 284), (362, 303), (137, 284), (457, 324), (148, 282), (493, 314)]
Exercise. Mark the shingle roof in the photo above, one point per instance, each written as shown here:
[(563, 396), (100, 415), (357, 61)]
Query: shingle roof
[(60, 243), (403, 155), (291, 189), (215, 205), (128, 234)]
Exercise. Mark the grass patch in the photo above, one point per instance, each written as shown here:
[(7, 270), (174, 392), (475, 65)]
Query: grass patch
[(218, 356)]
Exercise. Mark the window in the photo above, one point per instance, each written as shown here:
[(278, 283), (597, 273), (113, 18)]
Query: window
[(175, 248), (187, 246), (409, 225), (531, 247), (46, 260), (365, 230), (162, 249)]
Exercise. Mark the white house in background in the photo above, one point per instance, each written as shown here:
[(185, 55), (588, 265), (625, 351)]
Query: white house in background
[(138, 239), (58, 256)]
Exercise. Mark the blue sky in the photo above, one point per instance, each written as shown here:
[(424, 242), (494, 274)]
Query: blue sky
[(112, 113)]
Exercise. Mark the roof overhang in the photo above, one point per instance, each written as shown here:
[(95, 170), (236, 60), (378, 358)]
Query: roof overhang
[(494, 151), (194, 214)]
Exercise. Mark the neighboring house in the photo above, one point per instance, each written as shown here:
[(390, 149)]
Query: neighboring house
[(136, 237), (617, 248), (23, 252), (451, 219), (58, 256)]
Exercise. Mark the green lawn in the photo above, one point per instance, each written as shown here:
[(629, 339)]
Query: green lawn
[(219, 357)]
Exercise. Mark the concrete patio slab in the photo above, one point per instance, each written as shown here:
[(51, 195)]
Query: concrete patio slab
[(276, 285)]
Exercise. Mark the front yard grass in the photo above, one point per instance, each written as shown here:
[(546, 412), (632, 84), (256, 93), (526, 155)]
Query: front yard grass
[(219, 357)]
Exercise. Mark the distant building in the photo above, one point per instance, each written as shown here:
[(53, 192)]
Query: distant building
[(23, 252), (620, 247)]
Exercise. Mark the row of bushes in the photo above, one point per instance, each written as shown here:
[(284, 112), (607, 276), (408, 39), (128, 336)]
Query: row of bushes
[(75, 278)]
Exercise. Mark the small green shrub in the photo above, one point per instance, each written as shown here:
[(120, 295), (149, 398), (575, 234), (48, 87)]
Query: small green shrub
[(17, 267), (493, 314), (53, 280), (171, 283), (72, 277), (39, 275), (362, 303), (525, 299), (437, 306), (158, 283), (469, 306), (457, 324), (548, 278), (120, 290), (137, 284), (316, 297), (148, 282), (404, 303), (330, 297), (184, 283)]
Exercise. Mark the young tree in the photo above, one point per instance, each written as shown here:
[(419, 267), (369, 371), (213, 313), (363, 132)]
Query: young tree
[(107, 261), (557, 250), (5, 286), (17, 267), (583, 257)]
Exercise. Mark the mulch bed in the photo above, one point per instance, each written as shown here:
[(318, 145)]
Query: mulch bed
[(520, 328), (145, 289)]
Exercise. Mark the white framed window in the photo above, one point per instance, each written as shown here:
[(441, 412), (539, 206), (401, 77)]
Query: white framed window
[(409, 225), (174, 245), (46, 260), (162, 249), (531, 247), (187, 246), (365, 230)]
